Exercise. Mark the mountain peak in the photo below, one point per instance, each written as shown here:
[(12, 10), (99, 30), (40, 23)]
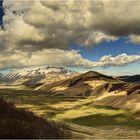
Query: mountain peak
[(95, 75), (36, 74), (40, 70), (91, 73)]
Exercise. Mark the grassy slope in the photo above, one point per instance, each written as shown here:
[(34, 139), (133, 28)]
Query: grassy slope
[(86, 114), (80, 114), (78, 111)]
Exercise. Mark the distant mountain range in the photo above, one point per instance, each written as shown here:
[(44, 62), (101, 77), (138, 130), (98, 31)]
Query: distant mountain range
[(131, 79), (36, 75), (36, 71), (48, 74)]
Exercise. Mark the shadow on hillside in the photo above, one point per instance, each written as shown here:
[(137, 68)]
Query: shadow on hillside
[(15, 123), (95, 120), (33, 97)]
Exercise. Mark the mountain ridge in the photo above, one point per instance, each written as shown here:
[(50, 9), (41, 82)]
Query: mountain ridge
[(131, 79), (87, 84), (35, 75)]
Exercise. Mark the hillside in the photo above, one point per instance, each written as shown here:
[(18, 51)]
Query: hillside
[(131, 79), (105, 90), (98, 104), (16, 123), (87, 84), (86, 120)]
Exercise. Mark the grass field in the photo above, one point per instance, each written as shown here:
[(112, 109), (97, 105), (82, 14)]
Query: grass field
[(81, 112), (75, 110)]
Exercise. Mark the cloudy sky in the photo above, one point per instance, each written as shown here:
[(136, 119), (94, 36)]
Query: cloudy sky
[(102, 35)]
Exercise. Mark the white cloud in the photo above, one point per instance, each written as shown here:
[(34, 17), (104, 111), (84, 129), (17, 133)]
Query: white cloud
[(120, 60), (134, 39), (44, 57), (40, 30), (62, 57), (58, 23), (48, 24)]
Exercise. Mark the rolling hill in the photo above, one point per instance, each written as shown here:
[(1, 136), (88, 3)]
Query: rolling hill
[(86, 100), (87, 84), (59, 82), (105, 90)]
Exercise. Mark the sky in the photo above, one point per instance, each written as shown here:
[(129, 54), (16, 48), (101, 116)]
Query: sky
[(81, 35)]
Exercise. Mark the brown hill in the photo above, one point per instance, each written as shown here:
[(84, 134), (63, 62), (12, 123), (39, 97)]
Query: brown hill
[(106, 90), (133, 89), (87, 84)]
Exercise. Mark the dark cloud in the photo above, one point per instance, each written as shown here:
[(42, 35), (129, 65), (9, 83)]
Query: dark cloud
[(1, 15), (37, 27)]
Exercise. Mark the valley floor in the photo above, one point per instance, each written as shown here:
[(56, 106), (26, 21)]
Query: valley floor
[(86, 120)]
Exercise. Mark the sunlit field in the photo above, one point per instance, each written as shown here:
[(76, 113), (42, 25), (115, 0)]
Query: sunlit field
[(73, 111)]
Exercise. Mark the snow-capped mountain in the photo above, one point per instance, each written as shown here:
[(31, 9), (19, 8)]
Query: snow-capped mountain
[(35, 71), (34, 75), (1, 75)]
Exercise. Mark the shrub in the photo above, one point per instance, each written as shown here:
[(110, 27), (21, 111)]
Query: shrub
[(16, 123)]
